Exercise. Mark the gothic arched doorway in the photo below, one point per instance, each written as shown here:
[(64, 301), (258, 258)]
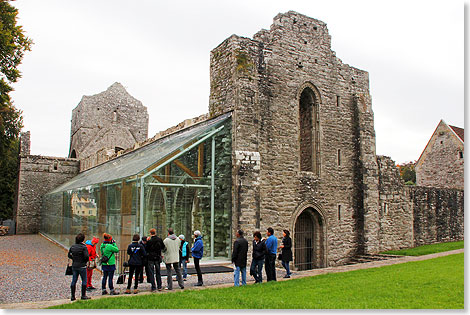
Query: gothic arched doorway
[(309, 240)]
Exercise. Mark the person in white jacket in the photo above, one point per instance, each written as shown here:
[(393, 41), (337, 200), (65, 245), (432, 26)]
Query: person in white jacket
[(171, 256)]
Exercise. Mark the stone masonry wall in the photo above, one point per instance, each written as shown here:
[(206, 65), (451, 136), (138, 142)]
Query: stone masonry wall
[(438, 214), (37, 176), (110, 119), (442, 162), (395, 212), (261, 80)]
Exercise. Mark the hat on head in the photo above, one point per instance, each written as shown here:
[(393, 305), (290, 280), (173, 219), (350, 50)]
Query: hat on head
[(181, 237), (106, 236), (197, 233), (95, 240)]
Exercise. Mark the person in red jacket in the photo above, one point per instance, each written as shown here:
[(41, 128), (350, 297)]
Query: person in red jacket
[(91, 245)]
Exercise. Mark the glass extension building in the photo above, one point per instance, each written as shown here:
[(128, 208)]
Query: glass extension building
[(182, 181)]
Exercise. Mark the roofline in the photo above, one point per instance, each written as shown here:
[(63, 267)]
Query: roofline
[(144, 143), (455, 134)]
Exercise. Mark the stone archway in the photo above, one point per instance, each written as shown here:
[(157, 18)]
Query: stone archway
[(309, 240)]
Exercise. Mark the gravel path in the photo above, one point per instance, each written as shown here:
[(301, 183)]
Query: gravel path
[(33, 269)]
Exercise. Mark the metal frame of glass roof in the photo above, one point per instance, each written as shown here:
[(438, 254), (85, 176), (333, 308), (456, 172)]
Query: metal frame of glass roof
[(143, 162)]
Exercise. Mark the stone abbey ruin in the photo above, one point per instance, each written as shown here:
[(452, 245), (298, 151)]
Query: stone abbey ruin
[(288, 142)]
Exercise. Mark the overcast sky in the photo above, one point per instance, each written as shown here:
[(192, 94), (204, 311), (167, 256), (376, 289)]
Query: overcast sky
[(159, 51)]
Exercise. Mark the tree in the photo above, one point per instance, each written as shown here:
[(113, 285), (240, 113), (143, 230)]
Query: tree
[(13, 44), (407, 173), (8, 180)]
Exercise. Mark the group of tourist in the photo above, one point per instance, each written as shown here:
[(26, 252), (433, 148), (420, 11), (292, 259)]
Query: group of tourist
[(263, 252), (148, 253)]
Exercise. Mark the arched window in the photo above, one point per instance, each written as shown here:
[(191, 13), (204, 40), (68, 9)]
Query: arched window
[(309, 132), (73, 154)]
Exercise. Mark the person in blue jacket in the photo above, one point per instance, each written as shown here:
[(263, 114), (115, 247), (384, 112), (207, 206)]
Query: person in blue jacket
[(197, 251), (137, 253), (270, 258)]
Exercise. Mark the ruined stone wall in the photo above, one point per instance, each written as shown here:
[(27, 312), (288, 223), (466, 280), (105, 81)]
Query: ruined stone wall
[(110, 119), (438, 214), (442, 162), (395, 212), (261, 80), (37, 176)]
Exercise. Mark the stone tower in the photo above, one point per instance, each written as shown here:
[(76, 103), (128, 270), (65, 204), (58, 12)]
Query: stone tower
[(303, 138), (106, 123)]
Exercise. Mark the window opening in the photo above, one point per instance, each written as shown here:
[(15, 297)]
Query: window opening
[(309, 132)]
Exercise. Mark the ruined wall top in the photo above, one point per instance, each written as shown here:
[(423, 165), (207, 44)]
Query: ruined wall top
[(294, 25), (295, 50), (25, 143), (98, 116)]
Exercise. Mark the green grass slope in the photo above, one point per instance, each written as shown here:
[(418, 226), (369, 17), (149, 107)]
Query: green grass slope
[(427, 249), (431, 284)]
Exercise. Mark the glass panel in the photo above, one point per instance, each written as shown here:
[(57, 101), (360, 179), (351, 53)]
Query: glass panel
[(186, 208), (114, 206)]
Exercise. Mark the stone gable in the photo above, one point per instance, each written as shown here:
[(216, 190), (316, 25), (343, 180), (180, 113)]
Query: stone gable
[(441, 164)]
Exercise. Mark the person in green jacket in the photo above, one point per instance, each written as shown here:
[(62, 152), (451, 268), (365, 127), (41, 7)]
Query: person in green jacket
[(108, 248)]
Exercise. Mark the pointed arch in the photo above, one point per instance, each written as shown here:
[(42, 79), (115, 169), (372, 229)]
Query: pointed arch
[(309, 236), (309, 101)]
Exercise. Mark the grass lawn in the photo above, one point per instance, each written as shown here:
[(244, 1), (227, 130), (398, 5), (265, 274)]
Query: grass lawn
[(427, 249), (431, 284)]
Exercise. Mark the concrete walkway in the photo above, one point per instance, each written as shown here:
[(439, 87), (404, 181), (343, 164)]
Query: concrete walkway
[(298, 274)]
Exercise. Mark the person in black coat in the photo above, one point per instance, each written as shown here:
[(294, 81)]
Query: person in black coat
[(286, 252), (240, 250), (145, 266), (154, 249), (258, 255), (79, 255), (137, 252)]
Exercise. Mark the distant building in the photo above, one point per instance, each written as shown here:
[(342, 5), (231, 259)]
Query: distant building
[(441, 164)]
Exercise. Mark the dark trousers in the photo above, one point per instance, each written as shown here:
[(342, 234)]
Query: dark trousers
[(179, 277), (198, 270), (79, 272), (154, 273), (76, 273), (285, 264), (107, 275), (138, 270), (270, 267), (145, 267), (256, 270)]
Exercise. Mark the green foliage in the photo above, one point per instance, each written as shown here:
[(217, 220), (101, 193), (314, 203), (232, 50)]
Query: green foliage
[(427, 249), (8, 180), (408, 173), (243, 62), (13, 44), (431, 284)]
